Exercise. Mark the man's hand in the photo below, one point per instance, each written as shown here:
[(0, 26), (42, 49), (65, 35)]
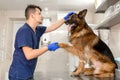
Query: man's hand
[(53, 46), (68, 15)]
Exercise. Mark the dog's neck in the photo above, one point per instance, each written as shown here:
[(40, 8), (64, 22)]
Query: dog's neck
[(82, 32), (85, 29)]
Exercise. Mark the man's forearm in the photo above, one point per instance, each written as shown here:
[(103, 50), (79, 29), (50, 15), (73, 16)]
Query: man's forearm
[(55, 25)]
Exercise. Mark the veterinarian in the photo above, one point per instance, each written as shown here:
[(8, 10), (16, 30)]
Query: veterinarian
[(27, 42)]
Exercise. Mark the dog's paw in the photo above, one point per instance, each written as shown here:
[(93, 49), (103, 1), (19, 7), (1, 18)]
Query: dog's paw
[(88, 71), (63, 45), (74, 74)]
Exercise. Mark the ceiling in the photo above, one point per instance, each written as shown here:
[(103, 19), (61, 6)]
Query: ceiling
[(54, 5)]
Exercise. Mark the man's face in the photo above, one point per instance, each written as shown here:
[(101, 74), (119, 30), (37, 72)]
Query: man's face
[(38, 16)]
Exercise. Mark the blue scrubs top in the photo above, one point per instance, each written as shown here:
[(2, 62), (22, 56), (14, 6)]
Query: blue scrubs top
[(21, 68)]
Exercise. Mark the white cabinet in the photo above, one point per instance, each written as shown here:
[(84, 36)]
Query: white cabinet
[(102, 5), (113, 18), (110, 21)]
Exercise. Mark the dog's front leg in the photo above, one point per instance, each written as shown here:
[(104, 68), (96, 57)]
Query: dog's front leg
[(69, 48), (77, 52), (63, 45), (79, 69)]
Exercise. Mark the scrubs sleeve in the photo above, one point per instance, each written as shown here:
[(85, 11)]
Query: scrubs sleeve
[(24, 38), (41, 30)]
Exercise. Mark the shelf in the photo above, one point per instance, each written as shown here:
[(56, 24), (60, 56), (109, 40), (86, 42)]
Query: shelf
[(110, 21), (104, 5)]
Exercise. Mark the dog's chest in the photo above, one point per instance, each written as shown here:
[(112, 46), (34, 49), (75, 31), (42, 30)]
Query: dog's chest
[(78, 43)]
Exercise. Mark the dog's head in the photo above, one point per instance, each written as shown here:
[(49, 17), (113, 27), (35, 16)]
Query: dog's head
[(77, 21)]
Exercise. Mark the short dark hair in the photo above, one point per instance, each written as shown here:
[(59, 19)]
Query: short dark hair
[(31, 8)]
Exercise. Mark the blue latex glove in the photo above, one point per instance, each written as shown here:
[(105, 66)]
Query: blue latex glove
[(68, 15), (53, 46)]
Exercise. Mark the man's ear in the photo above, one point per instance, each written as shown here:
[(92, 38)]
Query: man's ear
[(32, 15), (82, 13)]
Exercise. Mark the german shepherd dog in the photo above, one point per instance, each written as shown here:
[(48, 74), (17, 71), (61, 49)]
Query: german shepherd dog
[(88, 47)]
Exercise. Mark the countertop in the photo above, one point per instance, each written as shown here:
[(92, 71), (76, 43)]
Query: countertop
[(66, 76)]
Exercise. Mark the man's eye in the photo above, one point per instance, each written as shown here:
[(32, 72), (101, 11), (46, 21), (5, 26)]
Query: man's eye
[(39, 13)]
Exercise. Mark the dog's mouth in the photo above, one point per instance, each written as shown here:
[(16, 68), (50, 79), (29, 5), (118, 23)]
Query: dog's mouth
[(71, 26)]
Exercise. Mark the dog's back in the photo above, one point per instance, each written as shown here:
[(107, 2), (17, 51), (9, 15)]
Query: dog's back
[(104, 50)]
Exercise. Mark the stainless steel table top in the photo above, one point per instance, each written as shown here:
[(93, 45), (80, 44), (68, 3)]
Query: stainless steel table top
[(66, 76)]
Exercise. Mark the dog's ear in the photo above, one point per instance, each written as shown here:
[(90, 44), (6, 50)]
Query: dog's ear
[(82, 13)]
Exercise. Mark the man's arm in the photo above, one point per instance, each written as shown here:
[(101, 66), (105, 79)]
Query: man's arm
[(59, 23), (55, 25), (34, 53)]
